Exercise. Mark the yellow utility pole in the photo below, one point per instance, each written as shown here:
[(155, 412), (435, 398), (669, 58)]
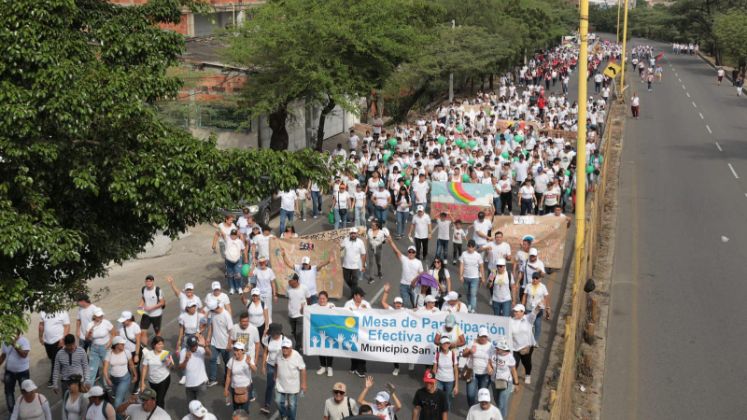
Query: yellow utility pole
[(623, 64), (583, 70), (617, 37)]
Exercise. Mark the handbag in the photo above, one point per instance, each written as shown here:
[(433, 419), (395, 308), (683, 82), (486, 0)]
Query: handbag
[(500, 384), (524, 351), (241, 394)]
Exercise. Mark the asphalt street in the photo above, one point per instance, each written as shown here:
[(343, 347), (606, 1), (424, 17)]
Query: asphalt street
[(676, 332)]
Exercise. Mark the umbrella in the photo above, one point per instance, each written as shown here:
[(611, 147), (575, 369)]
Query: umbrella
[(425, 279)]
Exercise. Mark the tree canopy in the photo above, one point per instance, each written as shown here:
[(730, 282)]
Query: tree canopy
[(89, 173)]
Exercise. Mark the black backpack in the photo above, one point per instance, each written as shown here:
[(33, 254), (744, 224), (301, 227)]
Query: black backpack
[(158, 295)]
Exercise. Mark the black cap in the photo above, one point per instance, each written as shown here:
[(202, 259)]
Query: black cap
[(274, 328), (149, 277), (192, 341)]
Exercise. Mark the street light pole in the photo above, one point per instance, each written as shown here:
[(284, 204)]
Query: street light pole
[(617, 37), (623, 64), (451, 74), (583, 61)]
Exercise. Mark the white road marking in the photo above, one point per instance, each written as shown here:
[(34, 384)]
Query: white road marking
[(694, 106), (688, 94), (718, 146), (275, 415), (724, 239), (733, 172), (683, 87), (679, 80), (709, 129), (377, 295), (701, 115)]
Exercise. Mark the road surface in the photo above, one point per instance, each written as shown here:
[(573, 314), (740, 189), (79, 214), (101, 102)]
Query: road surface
[(676, 332)]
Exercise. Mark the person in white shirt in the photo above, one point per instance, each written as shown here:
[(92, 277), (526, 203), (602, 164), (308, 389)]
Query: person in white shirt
[(358, 366), (186, 296), (261, 243), (216, 293), (484, 410), (150, 307), (496, 250), (271, 342), (376, 237), (447, 370), (479, 354), (382, 199), (222, 232), (290, 377), (141, 407), (411, 269), (536, 295), (297, 295), (100, 333), (359, 206), (481, 232), (307, 273), (218, 336), (236, 252), (504, 376), (155, 368), (471, 273), (16, 359), (457, 239), (53, 327), (420, 189), (258, 314), (192, 362), (198, 412), (266, 284), (339, 406), (353, 259), (342, 201), (532, 264), (527, 198), (443, 226), (522, 338), (288, 207), (325, 362), (239, 376), (85, 317), (421, 230), (248, 335)]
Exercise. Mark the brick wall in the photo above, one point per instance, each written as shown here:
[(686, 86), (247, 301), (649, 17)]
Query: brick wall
[(214, 86)]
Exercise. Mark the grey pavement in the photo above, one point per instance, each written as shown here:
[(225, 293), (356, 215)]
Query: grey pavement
[(676, 332)]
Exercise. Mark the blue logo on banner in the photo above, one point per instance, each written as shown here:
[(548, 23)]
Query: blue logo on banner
[(339, 332)]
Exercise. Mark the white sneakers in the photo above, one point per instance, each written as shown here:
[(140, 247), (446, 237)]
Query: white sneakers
[(183, 380), (329, 371), (395, 372), (528, 380), (321, 370)]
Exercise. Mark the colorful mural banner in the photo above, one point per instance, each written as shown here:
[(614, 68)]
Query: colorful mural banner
[(549, 234), (402, 335), (461, 200), (328, 278)]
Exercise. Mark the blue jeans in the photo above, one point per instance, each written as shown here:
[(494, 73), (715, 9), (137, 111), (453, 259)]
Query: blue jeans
[(447, 388), (302, 208), (316, 203), (360, 217), (225, 355), (96, 356), (341, 218), (121, 388), (538, 325), (401, 222), (11, 379), (380, 214), (270, 387), (501, 397), (406, 293), (479, 382), (233, 274), (285, 214), (287, 404), (526, 206), (442, 249), (502, 308), (470, 286), (497, 204)]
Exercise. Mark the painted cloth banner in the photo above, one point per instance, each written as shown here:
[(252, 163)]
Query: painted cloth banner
[(335, 234), (328, 278), (549, 234), (462, 200), (401, 336)]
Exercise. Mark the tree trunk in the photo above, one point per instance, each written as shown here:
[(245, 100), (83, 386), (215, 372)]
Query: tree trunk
[(320, 128), (277, 120), (407, 103), (491, 81)]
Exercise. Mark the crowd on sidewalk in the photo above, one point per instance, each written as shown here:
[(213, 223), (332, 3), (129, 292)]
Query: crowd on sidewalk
[(115, 366)]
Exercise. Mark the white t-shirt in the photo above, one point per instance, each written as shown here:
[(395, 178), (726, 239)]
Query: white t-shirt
[(410, 269), (502, 287), (497, 251), (241, 373), (221, 324), (421, 191), (221, 298), (273, 348), (471, 261), (296, 300), (262, 243), (502, 366), (101, 332), (158, 370), (477, 413), (184, 301), (13, 361), (352, 306), (54, 326), (85, 316), (249, 337), (289, 373), (341, 200), (530, 268), (288, 200), (535, 296), (526, 192), (334, 411), (307, 278), (151, 299), (380, 197), (191, 323), (446, 361), (482, 227), (421, 224), (458, 236), (130, 334), (195, 369), (117, 363), (234, 249), (353, 252), (360, 199), (481, 357), (443, 227), (136, 412), (256, 313), (264, 280)]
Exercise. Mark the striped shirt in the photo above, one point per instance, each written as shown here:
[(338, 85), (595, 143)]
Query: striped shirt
[(67, 364)]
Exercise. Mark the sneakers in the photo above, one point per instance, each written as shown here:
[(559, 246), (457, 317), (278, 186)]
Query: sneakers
[(360, 374), (232, 291), (454, 262), (264, 410), (183, 380), (528, 380), (329, 372), (395, 372), (411, 366), (212, 383), (50, 385), (371, 280), (321, 370), (304, 219)]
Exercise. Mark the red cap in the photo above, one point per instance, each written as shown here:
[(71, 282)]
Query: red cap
[(429, 377)]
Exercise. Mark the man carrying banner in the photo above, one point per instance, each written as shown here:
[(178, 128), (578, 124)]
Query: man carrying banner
[(353, 259), (307, 273), (357, 366), (411, 268)]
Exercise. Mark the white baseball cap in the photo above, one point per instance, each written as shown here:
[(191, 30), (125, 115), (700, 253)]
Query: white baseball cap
[(519, 307), (211, 304), (532, 252), (483, 395), (398, 300), (500, 261), (482, 332), (353, 230), (429, 299), (445, 339), (189, 286), (98, 312), (126, 315), (502, 345), (215, 285), (197, 409), (286, 343), (117, 340), (28, 386), (411, 248), (452, 296), (420, 208), (382, 396), (256, 292), (238, 345), (95, 391), (305, 260)]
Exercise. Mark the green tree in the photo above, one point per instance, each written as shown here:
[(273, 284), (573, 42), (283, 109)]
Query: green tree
[(730, 30), (89, 173), (325, 52)]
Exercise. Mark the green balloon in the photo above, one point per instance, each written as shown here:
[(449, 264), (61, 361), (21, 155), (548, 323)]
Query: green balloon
[(515, 159), (567, 172), (505, 155), (590, 169), (465, 177), (407, 182), (518, 138), (245, 269), (459, 129), (441, 139), (472, 144), (392, 142), (387, 156), (471, 161)]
